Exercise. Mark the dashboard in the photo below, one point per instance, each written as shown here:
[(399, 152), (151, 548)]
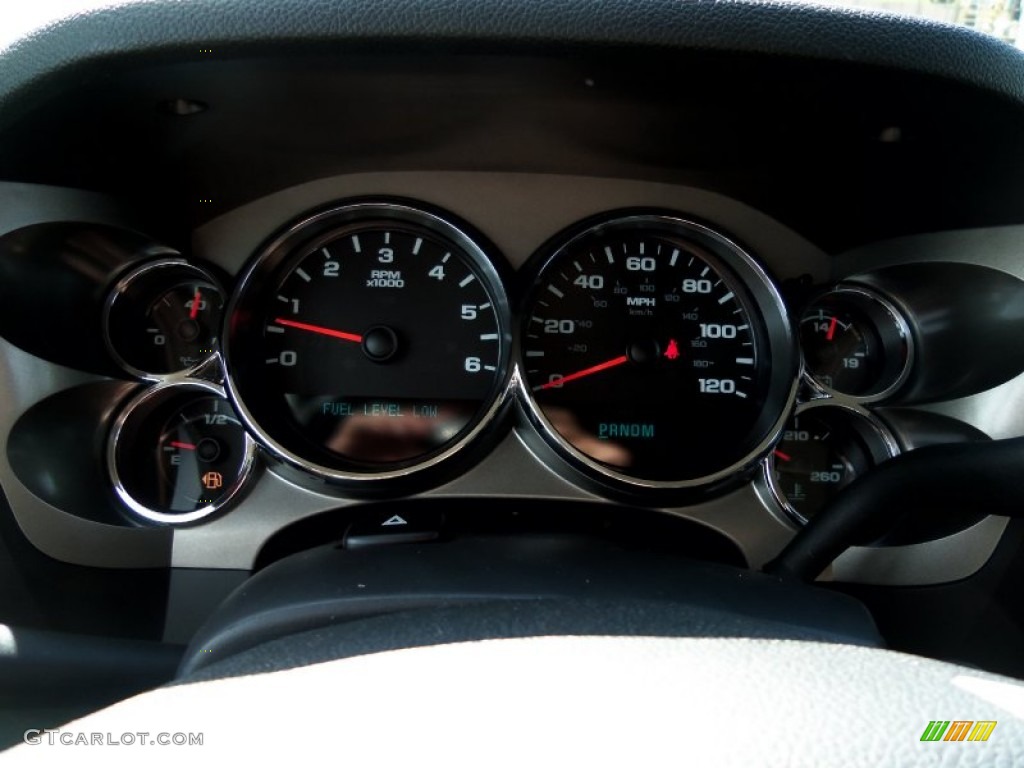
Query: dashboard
[(273, 292)]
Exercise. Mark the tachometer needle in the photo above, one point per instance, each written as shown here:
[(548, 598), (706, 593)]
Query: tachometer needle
[(831, 329), (585, 372), (196, 301), (319, 329)]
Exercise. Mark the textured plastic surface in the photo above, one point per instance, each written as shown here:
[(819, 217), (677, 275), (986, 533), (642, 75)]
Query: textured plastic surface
[(327, 586), (774, 28), (593, 701)]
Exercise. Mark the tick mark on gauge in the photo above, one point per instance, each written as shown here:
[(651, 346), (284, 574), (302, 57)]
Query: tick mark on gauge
[(326, 253), (745, 360), (303, 274), (485, 305), (534, 353), (274, 329), (705, 271), (467, 280), (488, 337), (444, 259), (555, 291), (356, 245), (608, 253), (285, 299), (416, 246), (577, 265), (490, 368), (673, 258), (741, 394)]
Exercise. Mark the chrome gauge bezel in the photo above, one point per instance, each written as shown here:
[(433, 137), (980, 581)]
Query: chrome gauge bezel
[(139, 407), (282, 247), (767, 486), (780, 349), (877, 308), (123, 285)]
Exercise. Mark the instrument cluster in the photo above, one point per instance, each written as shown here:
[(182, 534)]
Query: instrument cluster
[(367, 345)]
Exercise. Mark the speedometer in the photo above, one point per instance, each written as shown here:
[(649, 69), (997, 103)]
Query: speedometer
[(370, 341), (655, 352)]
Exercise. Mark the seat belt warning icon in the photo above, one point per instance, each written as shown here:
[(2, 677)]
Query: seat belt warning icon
[(212, 480)]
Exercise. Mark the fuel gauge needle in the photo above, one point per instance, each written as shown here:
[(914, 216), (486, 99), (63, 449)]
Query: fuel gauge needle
[(182, 446), (196, 301)]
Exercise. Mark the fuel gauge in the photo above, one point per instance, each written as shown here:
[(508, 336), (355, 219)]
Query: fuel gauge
[(164, 318), (179, 453)]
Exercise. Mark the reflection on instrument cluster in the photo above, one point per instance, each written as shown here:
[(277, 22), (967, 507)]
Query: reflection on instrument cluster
[(178, 453), (655, 352), (369, 342)]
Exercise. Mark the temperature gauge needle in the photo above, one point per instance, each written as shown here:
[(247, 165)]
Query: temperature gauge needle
[(585, 372), (831, 329), (196, 301), (319, 329)]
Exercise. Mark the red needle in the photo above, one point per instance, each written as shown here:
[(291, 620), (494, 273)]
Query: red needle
[(196, 301), (184, 446), (831, 329), (783, 456), (319, 329), (585, 372)]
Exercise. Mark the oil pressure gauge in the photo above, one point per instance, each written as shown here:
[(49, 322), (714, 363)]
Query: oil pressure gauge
[(163, 318)]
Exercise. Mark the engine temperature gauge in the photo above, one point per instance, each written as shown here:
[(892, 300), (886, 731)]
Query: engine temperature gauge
[(823, 449), (179, 453)]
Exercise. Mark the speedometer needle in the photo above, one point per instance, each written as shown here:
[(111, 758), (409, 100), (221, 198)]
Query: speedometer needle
[(585, 372), (319, 329)]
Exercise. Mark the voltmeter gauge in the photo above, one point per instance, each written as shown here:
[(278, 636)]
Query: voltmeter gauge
[(178, 453), (824, 448), (164, 318), (855, 344)]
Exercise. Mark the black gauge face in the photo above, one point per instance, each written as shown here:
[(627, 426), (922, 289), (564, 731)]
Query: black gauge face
[(180, 457), (841, 350), (645, 352), (380, 344), (822, 451), (855, 344), (164, 318)]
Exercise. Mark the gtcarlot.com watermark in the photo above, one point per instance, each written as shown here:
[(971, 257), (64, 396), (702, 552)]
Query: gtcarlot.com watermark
[(56, 736)]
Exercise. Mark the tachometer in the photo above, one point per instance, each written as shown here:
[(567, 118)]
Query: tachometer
[(656, 352), (369, 341)]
